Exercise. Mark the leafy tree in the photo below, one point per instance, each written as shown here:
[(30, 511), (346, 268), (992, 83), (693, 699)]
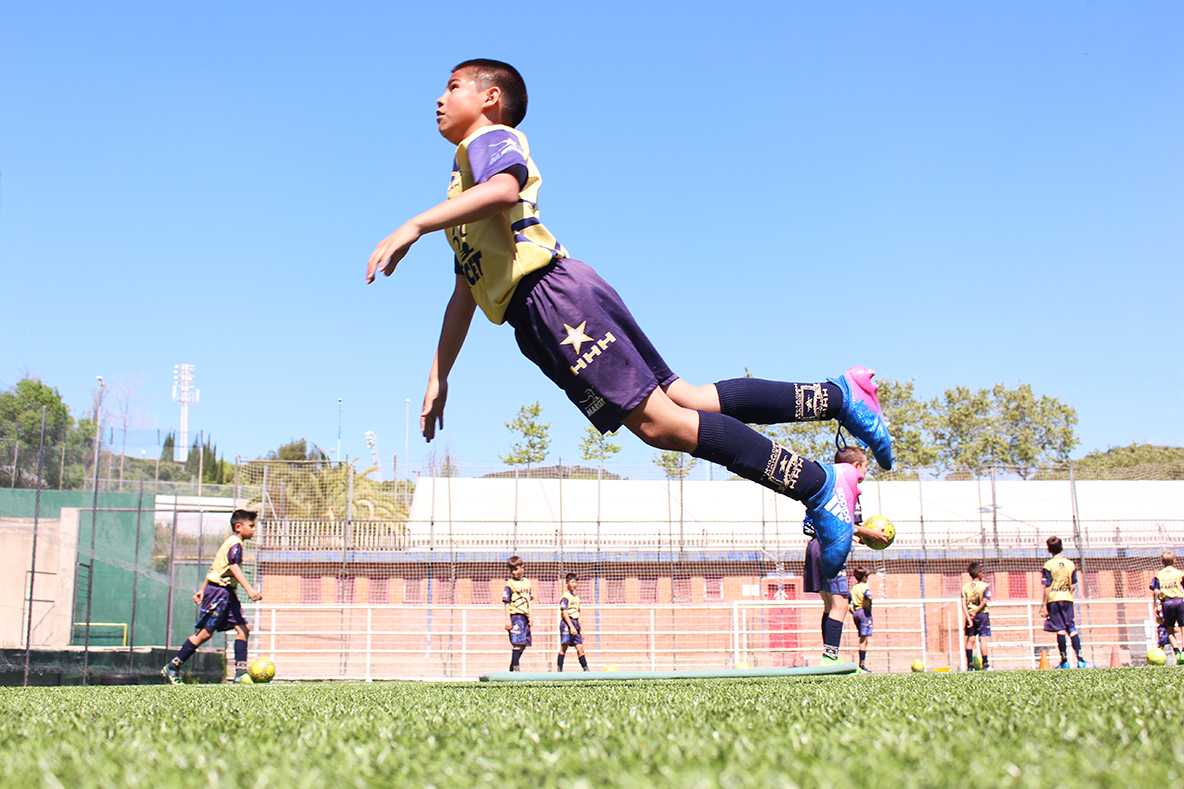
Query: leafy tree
[(676, 465), (20, 427), (168, 448), (910, 422), (1137, 461), (595, 445), (535, 444), (299, 451)]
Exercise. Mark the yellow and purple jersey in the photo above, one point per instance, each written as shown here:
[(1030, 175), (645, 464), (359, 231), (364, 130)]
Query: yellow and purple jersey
[(974, 594), (859, 593), (1060, 576), (570, 602), (517, 595), (228, 555), (1168, 582), (494, 254)]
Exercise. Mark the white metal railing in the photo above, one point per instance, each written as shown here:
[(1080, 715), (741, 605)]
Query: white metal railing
[(369, 642)]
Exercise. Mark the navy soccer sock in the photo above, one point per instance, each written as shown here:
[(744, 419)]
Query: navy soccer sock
[(240, 655), (1063, 647), (515, 656), (862, 657), (986, 660), (761, 402), (832, 635), (583, 661), (184, 653), (1076, 641), (970, 660), (743, 451), (559, 661)]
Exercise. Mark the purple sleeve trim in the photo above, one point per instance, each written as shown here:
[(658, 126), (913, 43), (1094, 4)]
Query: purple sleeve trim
[(235, 555), (494, 152)]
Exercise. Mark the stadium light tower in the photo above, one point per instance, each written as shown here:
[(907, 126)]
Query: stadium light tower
[(372, 441), (186, 395)]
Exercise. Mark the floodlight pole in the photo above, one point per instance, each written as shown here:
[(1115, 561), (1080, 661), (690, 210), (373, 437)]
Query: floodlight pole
[(339, 428), (186, 395)]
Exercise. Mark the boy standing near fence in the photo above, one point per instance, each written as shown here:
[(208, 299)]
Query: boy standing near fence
[(575, 327), (220, 608), (861, 612), (516, 599), (1059, 578), (1167, 588), (976, 600), (570, 633)]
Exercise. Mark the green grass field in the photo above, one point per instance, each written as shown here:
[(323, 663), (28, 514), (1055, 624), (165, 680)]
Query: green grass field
[(1099, 727)]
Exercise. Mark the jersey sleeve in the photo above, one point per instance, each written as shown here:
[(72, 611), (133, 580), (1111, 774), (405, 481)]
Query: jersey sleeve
[(987, 593), (497, 151), (235, 555), (1046, 577), (563, 604), (507, 594), (1154, 583)]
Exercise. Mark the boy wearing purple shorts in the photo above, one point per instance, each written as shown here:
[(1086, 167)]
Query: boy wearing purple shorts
[(1167, 588), (570, 632), (220, 608), (577, 330), (976, 601), (861, 612), (1059, 578), (516, 599)]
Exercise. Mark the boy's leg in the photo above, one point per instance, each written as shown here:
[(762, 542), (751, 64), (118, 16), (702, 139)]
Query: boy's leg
[(515, 657), (580, 655), (1063, 648), (969, 649), (832, 630), (241, 634), (560, 656), (172, 669), (982, 650)]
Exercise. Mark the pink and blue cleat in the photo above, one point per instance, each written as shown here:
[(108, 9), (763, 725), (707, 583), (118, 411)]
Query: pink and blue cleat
[(862, 415), (830, 511)]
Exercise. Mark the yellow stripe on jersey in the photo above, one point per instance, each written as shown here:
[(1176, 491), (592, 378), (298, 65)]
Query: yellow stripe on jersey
[(518, 596), (859, 593), (975, 593), (1060, 572), (573, 605), (220, 568), (494, 254), (1171, 583)]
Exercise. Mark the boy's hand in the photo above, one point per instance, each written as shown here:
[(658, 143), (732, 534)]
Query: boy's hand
[(254, 595), (873, 538), (389, 252), (197, 598), (433, 408)]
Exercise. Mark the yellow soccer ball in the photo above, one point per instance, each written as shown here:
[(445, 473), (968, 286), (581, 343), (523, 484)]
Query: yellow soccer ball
[(1156, 656), (610, 667), (261, 670), (743, 664), (918, 665), (884, 526)]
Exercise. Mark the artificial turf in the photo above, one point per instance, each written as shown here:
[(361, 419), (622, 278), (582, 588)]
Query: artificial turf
[(1095, 727)]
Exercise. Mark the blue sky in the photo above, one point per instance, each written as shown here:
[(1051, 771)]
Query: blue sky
[(992, 192)]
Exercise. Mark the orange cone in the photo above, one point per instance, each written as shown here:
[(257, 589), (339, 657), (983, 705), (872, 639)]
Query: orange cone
[(1043, 659), (1115, 658)]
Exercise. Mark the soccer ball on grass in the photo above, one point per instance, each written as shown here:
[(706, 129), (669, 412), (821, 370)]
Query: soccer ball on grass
[(918, 665), (261, 670), (1156, 656)]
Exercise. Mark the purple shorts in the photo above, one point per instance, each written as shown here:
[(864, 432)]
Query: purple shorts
[(814, 581), (980, 625), (1161, 635), (863, 621), (575, 327), (1060, 618), (220, 610), (1173, 611), (569, 637), (519, 630)]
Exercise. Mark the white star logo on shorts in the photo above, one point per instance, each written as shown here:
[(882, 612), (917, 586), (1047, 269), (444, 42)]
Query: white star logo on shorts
[(576, 336)]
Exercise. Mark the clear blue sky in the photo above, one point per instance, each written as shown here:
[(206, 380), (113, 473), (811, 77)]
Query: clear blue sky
[(995, 191)]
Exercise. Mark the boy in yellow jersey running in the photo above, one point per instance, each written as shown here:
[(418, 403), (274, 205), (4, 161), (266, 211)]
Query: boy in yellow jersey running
[(220, 608), (516, 598), (570, 632), (578, 331), (1168, 595), (976, 618), (1059, 578)]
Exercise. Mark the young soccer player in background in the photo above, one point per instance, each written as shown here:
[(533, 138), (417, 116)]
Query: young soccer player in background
[(577, 330), (516, 599), (1059, 578), (976, 600), (570, 634), (220, 607), (861, 612), (1168, 594)]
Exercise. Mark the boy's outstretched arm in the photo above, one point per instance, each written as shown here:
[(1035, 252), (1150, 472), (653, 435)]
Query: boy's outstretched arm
[(457, 317), (498, 194)]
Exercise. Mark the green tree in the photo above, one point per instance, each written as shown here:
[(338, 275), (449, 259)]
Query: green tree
[(910, 423), (1137, 461), (20, 429), (168, 448), (299, 450), (676, 465), (535, 443), (595, 445)]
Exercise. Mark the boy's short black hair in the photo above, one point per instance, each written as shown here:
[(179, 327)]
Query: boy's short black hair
[(851, 455), (514, 561), (1054, 545), (489, 73), (975, 569), (860, 574), (242, 516), (570, 577)]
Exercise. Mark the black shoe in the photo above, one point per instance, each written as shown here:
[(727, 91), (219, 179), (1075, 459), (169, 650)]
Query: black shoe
[(514, 668)]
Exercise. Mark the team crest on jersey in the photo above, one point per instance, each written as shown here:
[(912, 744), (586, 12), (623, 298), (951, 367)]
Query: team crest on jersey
[(577, 337)]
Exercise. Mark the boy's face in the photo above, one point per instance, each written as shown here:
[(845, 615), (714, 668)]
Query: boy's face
[(460, 110), (572, 584), (517, 572), (246, 530), (862, 467)]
